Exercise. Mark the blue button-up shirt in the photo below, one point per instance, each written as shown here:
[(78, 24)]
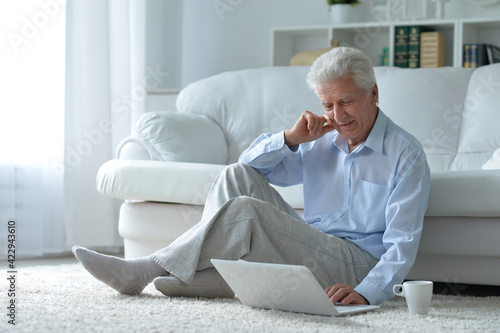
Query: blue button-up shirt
[(374, 197)]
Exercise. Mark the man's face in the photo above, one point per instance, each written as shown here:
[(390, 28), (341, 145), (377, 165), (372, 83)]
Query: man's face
[(349, 108)]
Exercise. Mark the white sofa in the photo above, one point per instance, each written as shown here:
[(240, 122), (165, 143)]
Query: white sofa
[(165, 168)]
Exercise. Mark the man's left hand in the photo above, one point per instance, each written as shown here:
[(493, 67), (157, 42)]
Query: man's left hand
[(345, 295)]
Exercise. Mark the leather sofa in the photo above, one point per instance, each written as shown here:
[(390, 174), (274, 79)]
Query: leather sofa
[(164, 169)]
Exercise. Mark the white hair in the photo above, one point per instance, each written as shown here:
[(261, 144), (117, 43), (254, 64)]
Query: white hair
[(342, 62)]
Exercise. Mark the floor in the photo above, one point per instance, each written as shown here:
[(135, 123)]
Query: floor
[(439, 288), (59, 260)]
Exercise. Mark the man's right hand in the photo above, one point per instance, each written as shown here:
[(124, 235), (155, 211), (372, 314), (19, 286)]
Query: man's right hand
[(309, 127)]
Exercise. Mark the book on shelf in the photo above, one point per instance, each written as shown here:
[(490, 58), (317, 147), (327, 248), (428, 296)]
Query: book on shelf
[(431, 49), (401, 47), (466, 56), (414, 34), (384, 60), (493, 52), (480, 54)]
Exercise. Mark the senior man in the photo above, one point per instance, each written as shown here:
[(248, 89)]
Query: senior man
[(366, 186)]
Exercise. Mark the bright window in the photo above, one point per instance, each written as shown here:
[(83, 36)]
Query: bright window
[(32, 78)]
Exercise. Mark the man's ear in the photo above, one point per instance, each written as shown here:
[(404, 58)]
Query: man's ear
[(374, 94)]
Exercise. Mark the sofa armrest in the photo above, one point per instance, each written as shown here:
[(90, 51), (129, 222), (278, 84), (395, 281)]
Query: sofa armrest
[(174, 136), (473, 193), (177, 182)]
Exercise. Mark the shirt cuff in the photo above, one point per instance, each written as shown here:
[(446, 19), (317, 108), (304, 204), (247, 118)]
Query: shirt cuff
[(277, 143), (371, 292), (282, 143)]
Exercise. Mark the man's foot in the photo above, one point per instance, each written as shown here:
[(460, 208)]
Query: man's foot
[(206, 283), (127, 276)]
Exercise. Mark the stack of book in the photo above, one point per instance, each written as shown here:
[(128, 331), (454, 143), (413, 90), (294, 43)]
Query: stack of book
[(410, 43), (480, 54)]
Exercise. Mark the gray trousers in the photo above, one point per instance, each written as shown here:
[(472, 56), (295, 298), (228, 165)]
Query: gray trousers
[(245, 218)]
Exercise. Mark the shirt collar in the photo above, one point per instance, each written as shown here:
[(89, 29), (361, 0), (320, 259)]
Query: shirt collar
[(375, 140)]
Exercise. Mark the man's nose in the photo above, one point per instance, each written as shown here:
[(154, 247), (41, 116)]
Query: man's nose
[(337, 113)]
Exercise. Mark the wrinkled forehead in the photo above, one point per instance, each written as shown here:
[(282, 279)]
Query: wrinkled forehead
[(341, 98), (338, 89)]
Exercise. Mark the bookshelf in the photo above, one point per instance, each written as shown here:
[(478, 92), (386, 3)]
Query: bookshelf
[(372, 37)]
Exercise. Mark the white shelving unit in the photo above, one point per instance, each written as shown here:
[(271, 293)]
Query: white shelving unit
[(478, 31), (372, 37)]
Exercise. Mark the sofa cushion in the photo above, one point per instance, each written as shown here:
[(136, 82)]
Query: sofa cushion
[(493, 162), (464, 193), (170, 136), (480, 134), (249, 102), (428, 103)]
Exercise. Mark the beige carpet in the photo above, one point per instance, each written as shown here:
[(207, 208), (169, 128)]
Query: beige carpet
[(66, 298)]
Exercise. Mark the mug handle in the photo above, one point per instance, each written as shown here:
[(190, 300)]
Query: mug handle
[(396, 288)]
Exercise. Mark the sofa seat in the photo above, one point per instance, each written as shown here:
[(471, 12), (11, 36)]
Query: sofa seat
[(452, 193), (454, 112)]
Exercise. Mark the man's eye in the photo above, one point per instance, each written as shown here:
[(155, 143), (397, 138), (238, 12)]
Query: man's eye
[(328, 107)]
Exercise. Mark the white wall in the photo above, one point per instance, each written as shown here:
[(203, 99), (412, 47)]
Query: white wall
[(464, 9), (193, 39), (164, 42), (226, 35)]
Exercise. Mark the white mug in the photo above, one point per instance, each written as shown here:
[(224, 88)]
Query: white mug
[(418, 295)]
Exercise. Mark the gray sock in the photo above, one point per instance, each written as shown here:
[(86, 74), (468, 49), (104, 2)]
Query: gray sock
[(206, 283), (127, 276)]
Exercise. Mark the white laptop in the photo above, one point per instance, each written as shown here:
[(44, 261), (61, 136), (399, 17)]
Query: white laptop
[(281, 287)]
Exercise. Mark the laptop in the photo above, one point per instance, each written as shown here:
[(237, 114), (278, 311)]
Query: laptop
[(281, 287)]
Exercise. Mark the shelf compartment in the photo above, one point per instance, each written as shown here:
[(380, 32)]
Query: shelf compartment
[(371, 38), (287, 42)]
